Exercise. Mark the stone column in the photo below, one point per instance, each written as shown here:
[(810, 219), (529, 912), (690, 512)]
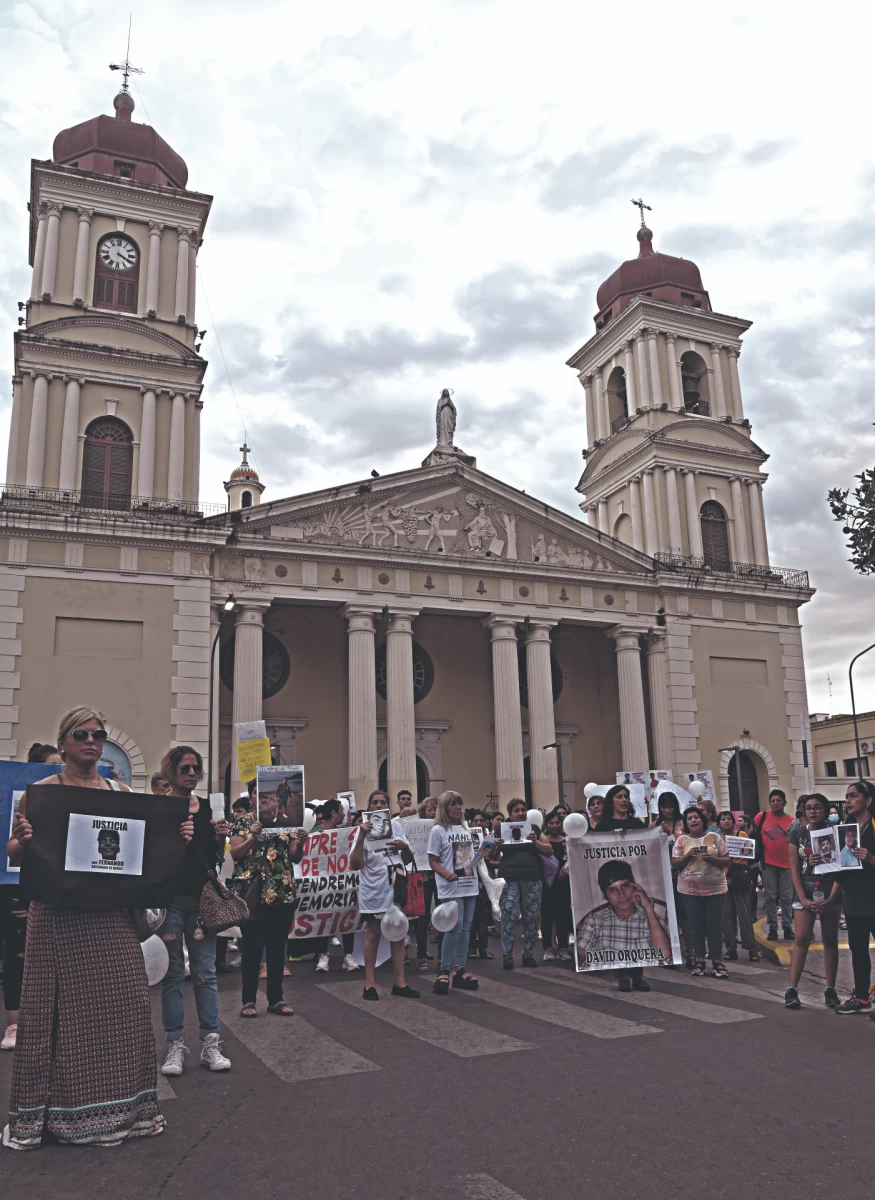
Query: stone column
[(176, 466), (631, 401), (633, 723), (400, 721), (192, 279), (604, 522), (14, 430), (542, 725), (643, 383), (83, 246), (36, 441), (600, 406), (146, 479), (719, 391), (674, 373), (694, 526), (50, 261), (216, 612), (70, 435), (592, 429), (153, 270), (741, 553), (506, 701), (675, 537), (39, 253), (196, 450), (248, 671), (735, 384), (651, 537), (655, 377), (635, 506), (184, 239), (362, 703), (758, 523), (657, 678)]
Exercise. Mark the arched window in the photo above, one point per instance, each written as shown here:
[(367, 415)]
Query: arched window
[(750, 793), (694, 377), (715, 538), (117, 273), (616, 395), (246, 500), (107, 464), (423, 783)]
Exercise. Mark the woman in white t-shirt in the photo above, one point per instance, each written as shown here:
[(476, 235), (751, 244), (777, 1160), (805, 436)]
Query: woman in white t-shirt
[(451, 856), (376, 861)]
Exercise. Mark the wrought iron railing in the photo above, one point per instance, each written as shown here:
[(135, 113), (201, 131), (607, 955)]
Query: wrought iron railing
[(48, 500), (699, 408), (688, 564), (619, 423)]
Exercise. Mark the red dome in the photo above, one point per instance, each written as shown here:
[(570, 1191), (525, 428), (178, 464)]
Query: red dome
[(109, 145), (661, 276)]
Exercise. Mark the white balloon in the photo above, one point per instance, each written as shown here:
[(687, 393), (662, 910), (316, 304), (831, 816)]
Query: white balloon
[(446, 916), (309, 820), (394, 925), (591, 790), (156, 958), (696, 788), (575, 825), (535, 817)]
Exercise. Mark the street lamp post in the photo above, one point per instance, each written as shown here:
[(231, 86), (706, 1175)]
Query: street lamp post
[(227, 608), (854, 707)]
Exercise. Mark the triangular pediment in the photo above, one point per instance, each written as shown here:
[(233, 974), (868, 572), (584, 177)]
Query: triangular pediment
[(445, 512)]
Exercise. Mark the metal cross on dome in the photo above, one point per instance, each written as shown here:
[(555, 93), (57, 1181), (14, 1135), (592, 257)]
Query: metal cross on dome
[(640, 205), (244, 450), (126, 67)]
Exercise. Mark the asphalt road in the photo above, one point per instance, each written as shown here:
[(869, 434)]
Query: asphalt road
[(543, 1084)]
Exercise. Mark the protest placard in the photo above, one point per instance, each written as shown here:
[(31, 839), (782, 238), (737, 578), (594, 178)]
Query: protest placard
[(515, 831), (349, 797), (739, 847), (279, 796), (380, 821), (96, 849), (848, 838), (327, 888), (705, 777), (638, 794), (416, 831), (622, 900), (825, 843), (251, 756)]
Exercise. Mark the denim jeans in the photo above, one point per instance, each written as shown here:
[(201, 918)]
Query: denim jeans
[(454, 951), (778, 889), (182, 921)]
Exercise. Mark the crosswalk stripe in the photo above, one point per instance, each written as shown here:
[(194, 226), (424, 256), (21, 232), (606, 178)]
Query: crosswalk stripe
[(557, 1012), (484, 1187), (294, 1049), (724, 987), (428, 1023), (678, 1006), (738, 968), (165, 1091)]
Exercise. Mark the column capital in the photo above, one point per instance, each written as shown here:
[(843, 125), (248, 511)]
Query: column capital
[(85, 215), (155, 227), (183, 234), (670, 467), (671, 338), (732, 352), (624, 637), (586, 380), (54, 210), (502, 628), (630, 343), (716, 346), (537, 629), (360, 618), (401, 619), (652, 334), (656, 640), (42, 209), (648, 471), (251, 611)]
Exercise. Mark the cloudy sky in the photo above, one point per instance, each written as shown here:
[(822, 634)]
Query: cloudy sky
[(417, 195)]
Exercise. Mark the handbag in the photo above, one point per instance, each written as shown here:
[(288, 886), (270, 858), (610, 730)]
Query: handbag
[(738, 878), (398, 876), (550, 867), (414, 905), (219, 908)]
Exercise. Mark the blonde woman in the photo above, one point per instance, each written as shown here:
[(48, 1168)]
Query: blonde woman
[(84, 1067), (451, 857)]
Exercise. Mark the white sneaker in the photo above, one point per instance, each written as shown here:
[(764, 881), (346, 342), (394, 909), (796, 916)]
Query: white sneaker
[(212, 1056), (322, 964), (349, 963), (175, 1060), (8, 1042), (550, 956)]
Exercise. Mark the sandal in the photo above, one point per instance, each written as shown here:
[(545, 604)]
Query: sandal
[(718, 969), (699, 968), (249, 1010), (281, 1009), (423, 966), (486, 954), (690, 961), (461, 979), (441, 984), (753, 955)]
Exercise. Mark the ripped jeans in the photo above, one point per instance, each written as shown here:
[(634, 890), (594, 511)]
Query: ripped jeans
[(182, 921)]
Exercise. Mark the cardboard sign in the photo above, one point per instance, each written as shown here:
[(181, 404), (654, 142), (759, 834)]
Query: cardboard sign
[(740, 847), (327, 888), (67, 823), (251, 756), (279, 796), (416, 830)]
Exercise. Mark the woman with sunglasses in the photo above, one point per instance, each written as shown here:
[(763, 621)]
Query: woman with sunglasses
[(183, 769), (84, 1067)]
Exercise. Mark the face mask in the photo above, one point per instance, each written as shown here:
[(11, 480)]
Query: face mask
[(834, 817)]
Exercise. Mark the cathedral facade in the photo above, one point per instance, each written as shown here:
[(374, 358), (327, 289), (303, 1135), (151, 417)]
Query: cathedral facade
[(428, 629)]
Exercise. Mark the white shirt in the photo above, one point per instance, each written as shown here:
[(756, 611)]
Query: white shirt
[(454, 850), (375, 887)]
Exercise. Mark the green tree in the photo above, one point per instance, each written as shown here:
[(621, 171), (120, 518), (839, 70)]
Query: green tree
[(856, 511)]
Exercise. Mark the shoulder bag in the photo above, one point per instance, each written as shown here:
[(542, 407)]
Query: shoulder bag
[(219, 908)]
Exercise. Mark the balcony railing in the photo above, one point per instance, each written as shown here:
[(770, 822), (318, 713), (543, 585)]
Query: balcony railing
[(56, 500), (687, 564), (619, 423), (699, 408)]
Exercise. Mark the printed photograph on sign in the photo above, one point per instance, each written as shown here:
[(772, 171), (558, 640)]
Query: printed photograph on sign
[(849, 840), (103, 845), (622, 901), (630, 777), (279, 796), (515, 831), (705, 777), (825, 843), (479, 838), (381, 825), (740, 847), (463, 858)]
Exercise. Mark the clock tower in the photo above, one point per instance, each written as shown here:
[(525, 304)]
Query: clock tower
[(108, 379)]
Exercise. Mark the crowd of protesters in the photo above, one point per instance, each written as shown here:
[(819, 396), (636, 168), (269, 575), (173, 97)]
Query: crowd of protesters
[(56, 1002)]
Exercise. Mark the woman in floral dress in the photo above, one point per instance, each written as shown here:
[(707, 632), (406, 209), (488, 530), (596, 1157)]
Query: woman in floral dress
[(263, 854)]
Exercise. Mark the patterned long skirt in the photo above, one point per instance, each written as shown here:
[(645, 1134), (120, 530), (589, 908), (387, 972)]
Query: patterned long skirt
[(84, 1069)]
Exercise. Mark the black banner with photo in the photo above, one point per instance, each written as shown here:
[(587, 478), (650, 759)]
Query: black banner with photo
[(102, 849)]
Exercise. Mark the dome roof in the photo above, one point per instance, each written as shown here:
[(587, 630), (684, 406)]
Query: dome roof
[(109, 144), (661, 276), (245, 473)]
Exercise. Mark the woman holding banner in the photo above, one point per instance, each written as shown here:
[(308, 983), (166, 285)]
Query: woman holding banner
[(520, 868), (699, 857), (84, 1067), (451, 857)]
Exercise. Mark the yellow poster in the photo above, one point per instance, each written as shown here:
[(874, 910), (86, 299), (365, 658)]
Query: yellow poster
[(251, 755)]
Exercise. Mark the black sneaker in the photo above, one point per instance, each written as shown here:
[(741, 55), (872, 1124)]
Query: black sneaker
[(640, 985), (791, 998), (407, 991), (624, 985), (732, 955), (831, 998), (528, 961), (789, 935), (370, 994), (854, 1005), (507, 962), (772, 935)]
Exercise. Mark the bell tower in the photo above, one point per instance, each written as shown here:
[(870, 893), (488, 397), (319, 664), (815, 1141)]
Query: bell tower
[(108, 379), (671, 466)]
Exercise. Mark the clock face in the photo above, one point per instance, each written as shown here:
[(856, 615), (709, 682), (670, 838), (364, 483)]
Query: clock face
[(118, 253)]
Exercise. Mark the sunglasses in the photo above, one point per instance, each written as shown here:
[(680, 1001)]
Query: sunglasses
[(188, 769), (83, 735)]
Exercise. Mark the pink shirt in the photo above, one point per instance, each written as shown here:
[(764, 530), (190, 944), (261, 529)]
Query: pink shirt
[(700, 878)]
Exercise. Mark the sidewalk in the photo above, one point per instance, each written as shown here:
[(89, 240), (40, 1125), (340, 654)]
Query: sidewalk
[(779, 952)]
